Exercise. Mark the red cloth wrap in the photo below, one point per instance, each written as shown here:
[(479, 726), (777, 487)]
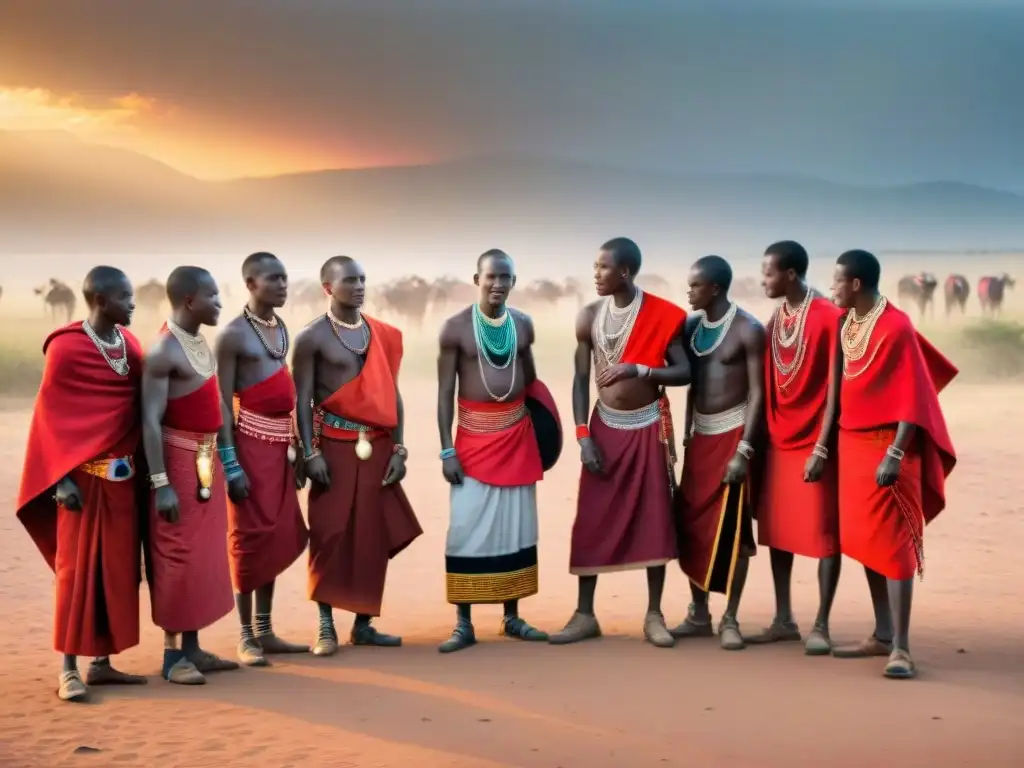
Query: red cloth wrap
[(792, 515), (713, 519), (657, 324), (266, 532), (624, 515), (371, 398), (190, 584), (85, 411), (199, 411), (356, 526), (503, 457), (899, 380)]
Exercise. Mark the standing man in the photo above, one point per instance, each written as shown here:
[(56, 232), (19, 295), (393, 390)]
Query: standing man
[(182, 413), (351, 422), (724, 408), (497, 459), (895, 448), (798, 505), (624, 509), (78, 498), (266, 532)]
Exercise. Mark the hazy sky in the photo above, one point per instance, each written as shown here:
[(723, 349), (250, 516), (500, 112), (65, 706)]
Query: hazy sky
[(850, 91)]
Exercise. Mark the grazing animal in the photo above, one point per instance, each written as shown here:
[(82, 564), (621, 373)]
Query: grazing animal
[(957, 289), (406, 298), (58, 296), (919, 289), (447, 292), (150, 296), (991, 292)]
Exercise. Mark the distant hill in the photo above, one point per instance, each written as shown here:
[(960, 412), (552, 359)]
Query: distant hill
[(59, 194)]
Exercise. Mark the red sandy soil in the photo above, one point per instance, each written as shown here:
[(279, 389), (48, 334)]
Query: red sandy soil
[(611, 702)]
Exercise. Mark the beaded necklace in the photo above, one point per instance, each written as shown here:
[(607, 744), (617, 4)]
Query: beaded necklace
[(496, 338), (118, 364), (612, 328), (275, 322), (855, 338), (196, 350), (708, 335), (788, 332), (337, 325)]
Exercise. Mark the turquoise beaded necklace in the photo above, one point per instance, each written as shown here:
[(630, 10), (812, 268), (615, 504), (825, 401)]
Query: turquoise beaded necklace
[(497, 341)]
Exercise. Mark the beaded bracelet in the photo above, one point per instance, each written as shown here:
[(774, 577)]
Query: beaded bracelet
[(895, 453), (745, 449), (820, 451), (159, 480), (447, 453), (233, 469), (227, 454), (582, 432)]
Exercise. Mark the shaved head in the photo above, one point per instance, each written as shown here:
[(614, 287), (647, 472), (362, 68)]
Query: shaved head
[(333, 266), (716, 270), (185, 283), (255, 264), (100, 282)]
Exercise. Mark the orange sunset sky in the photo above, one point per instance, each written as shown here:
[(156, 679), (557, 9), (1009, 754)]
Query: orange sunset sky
[(853, 91)]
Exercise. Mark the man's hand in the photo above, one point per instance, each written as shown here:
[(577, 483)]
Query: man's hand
[(451, 468), (591, 456), (888, 472), (614, 374), (300, 473), (68, 495), (166, 503), (396, 470), (238, 488), (814, 468), (316, 470), (737, 469)]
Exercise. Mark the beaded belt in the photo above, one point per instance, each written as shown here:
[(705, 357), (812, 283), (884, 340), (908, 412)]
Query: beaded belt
[(116, 470), (339, 422), (484, 422), (638, 419), (190, 441), (270, 429), (720, 423)]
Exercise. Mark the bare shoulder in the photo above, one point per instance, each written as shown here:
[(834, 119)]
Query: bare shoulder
[(691, 323), (523, 320), (452, 328), (309, 338), (231, 334), (585, 319), (751, 328), (162, 355)]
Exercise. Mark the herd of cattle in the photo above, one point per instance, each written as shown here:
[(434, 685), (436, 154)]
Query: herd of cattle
[(411, 299)]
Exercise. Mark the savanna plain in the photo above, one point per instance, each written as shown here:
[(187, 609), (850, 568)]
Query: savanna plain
[(616, 701)]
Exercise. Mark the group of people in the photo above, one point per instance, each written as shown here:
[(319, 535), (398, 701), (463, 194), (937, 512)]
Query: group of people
[(823, 425)]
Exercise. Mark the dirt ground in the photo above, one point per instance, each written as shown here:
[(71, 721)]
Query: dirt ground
[(611, 702)]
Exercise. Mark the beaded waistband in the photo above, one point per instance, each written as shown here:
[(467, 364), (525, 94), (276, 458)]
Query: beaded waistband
[(190, 441), (638, 419), (491, 420), (114, 469), (334, 421), (270, 429), (720, 423)]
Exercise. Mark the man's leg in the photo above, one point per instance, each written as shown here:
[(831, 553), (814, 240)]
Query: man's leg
[(264, 629), (880, 642), (819, 643), (463, 636), (513, 626), (783, 627), (698, 616), (901, 664), (71, 687), (250, 653), (364, 633), (729, 628), (326, 634), (583, 624), (655, 631)]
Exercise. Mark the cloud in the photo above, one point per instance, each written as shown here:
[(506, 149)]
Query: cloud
[(89, 116)]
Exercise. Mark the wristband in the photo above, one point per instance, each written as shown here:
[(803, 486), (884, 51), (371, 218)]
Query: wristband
[(745, 449), (159, 480), (447, 453), (643, 372), (893, 452), (227, 455), (820, 451), (582, 432)]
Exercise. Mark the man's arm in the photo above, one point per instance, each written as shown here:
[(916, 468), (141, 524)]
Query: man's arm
[(529, 366), (835, 378), (581, 363), (227, 369), (677, 372), (398, 433), (447, 378), (156, 382), (754, 349), (304, 371), (691, 393)]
